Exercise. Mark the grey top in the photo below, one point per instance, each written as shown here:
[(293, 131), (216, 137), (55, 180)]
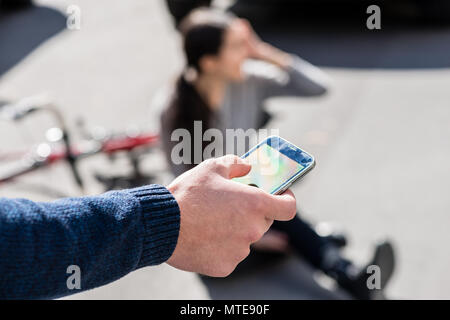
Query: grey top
[(243, 101)]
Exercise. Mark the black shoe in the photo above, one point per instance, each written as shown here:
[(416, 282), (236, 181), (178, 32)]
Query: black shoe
[(331, 234), (356, 282), (339, 240)]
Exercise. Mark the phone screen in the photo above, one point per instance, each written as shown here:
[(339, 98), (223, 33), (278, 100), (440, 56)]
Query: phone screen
[(270, 168)]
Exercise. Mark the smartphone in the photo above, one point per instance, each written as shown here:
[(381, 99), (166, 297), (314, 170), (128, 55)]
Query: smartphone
[(276, 165)]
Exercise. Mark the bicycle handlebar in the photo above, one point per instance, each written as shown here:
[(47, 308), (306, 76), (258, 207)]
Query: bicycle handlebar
[(19, 110)]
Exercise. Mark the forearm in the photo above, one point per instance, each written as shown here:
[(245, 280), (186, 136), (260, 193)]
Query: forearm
[(300, 77), (106, 236), (310, 79)]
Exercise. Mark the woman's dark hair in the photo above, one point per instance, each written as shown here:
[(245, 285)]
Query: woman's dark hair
[(203, 33)]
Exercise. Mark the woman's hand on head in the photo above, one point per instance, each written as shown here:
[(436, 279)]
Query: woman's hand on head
[(260, 50), (252, 40)]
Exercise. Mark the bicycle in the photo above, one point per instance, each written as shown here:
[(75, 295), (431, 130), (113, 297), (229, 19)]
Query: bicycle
[(59, 147)]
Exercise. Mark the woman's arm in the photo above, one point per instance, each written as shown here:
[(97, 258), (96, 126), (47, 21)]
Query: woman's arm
[(300, 78), (106, 236)]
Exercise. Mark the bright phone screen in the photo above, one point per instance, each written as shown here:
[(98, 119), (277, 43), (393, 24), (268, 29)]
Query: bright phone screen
[(270, 168)]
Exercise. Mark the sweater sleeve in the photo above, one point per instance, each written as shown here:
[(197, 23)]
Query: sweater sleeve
[(104, 237), (300, 78)]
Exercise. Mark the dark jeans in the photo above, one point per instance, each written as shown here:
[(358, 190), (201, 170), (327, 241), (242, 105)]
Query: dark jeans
[(304, 240)]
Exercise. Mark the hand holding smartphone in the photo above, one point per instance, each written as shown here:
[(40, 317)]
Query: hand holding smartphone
[(276, 165)]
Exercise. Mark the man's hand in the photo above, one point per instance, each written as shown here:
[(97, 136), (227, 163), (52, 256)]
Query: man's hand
[(220, 218)]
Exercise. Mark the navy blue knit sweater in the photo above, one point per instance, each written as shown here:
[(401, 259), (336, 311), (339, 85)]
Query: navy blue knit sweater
[(106, 236)]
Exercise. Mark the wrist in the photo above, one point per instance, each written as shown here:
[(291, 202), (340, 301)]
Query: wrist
[(269, 53), (279, 58)]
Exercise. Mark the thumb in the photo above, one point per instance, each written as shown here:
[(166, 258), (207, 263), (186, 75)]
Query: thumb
[(235, 166)]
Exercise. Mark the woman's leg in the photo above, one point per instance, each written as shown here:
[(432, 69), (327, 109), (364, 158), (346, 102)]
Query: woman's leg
[(303, 239), (324, 255)]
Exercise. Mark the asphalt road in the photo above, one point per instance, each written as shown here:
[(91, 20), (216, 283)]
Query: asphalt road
[(381, 136)]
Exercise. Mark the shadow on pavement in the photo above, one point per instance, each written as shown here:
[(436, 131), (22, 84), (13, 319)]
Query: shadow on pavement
[(335, 35), (270, 276), (22, 31)]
